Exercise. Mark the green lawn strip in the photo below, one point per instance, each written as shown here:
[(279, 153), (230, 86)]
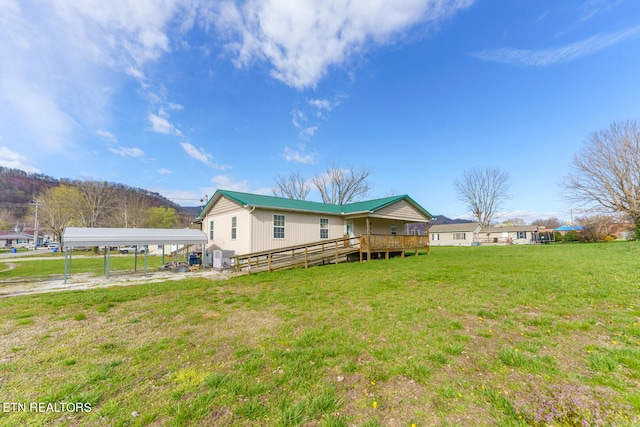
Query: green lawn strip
[(459, 337)]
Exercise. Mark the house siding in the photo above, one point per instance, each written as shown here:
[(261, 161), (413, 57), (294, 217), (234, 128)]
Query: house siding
[(300, 228), (221, 215), (446, 232)]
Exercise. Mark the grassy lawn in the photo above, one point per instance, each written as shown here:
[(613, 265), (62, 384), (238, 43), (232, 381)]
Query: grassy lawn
[(81, 262), (507, 336)]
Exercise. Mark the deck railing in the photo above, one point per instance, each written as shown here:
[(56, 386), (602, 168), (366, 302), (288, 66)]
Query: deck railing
[(331, 250)]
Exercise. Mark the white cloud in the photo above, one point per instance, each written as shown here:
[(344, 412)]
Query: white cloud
[(107, 135), (13, 160), (59, 57), (321, 104), (565, 53), (196, 153), (226, 182), (300, 121), (303, 39), (164, 171), (162, 125), (127, 151), (299, 155), (201, 156), (136, 73)]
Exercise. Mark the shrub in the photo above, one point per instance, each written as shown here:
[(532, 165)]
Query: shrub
[(571, 236)]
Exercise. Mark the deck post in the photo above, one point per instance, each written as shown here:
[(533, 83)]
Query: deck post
[(269, 262), (306, 257), (336, 252)]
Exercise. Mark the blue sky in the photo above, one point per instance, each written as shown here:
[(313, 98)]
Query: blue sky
[(184, 97)]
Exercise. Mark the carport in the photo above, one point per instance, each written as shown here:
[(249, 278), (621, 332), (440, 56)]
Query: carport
[(109, 237)]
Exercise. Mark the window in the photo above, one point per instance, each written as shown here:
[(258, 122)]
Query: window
[(435, 236), (234, 225), (324, 228), (459, 236), (394, 230), (278, 226), (522, 234), (210, 230)]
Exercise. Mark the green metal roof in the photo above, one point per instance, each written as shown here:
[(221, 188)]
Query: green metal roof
[(258, 200)]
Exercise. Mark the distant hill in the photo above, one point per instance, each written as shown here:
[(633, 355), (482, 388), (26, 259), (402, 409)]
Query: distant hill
[(18, 188), (441, 219), (420, 228)]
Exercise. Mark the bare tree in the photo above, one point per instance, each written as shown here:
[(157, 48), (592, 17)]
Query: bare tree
[(514, 221), (606, 171), (596, 227), (483, 191), (130, 210), (56, 210), (5, 219), (96, 202), (552, 222), (339, 186), (293, 186)]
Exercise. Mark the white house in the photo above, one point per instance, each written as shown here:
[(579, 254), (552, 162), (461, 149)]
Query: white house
[(512, 234), (16, 240), (462, 234), (248, 223)]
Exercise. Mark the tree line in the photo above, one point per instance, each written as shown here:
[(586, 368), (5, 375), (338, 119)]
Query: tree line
[(82, 203)]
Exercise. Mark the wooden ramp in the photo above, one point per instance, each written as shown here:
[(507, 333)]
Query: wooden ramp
[(332, 251)]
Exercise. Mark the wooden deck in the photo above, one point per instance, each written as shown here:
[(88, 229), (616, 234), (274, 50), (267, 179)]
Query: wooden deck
[(389, 244), (332, 251)]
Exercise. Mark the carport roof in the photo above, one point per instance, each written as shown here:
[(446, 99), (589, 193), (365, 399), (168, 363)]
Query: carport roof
[(78, 236)]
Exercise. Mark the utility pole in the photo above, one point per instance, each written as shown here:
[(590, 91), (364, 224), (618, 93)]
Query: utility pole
[(35, 228)]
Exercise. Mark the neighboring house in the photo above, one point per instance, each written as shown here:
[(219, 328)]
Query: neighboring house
[(16, 240), (512, 234), (247, 223), (463, 234)]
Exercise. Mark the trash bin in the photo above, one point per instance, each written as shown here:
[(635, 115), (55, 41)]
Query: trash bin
[(194, 259), (13, 250), (54, 250)]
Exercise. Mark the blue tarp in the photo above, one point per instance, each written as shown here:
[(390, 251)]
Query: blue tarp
[(569, 228)]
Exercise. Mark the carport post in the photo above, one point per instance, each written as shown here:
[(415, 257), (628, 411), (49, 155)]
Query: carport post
[(107, 261), (65, 267), (145, 262)]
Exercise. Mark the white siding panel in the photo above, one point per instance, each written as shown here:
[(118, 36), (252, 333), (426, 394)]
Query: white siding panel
[(222, 228), (300, 228), (224, 205)]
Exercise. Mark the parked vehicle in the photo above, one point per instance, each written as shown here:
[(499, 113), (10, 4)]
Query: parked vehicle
[(132, 249)]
